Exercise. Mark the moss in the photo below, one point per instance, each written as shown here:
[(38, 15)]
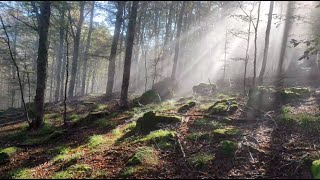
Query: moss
[(67, 156), (223, 107), (150, 122), (205, 122), (150, 96), (295, 92), (100, 107), (186, 107), (200, 160), (21, 174), (145, 156), (6, 153), (226, 131), (96, 140), (74, 171), (74, 118), (315, 169), (130, 171), (161, 137), (227, 147), (198, 136)]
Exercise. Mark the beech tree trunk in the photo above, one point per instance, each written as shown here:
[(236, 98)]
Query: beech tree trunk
[(60, 56)]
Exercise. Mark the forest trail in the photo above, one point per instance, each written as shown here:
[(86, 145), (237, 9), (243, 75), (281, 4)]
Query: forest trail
[(102, 148)]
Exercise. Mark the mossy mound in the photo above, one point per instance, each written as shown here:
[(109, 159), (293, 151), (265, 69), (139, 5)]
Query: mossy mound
[(186, 107), (145, 156), (226, 132), (223, 107), (262, 97), (204, 89), (6, 153), (198, 136), (148, 97), (164, 139), (315, 169), (200, 160), (74, 172), (227, 148), (150, 122), (295, 92)]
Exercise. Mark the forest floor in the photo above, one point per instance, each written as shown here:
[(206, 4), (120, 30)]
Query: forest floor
[(248, 143)]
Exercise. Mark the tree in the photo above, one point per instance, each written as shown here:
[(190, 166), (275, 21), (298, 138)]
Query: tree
[(128, 54), (42, 62), (266, 45), (76, 44), (113, 52), (177, 45), (60, 53), (85, 58), (255, 45)]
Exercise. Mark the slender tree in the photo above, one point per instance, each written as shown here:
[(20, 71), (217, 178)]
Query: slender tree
[(128, 54), (177, 45), (113, 52), (85, 58), (266, 45), (76, 45)]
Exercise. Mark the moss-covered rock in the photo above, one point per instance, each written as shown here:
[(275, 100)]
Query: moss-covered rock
[(295, 92), (223, 107), (198, 136), (315, 169), (186, 107), (204, 89), (148, 97), (199, 160), (150, 122), (164, 139), (6, 153), (227, 148)]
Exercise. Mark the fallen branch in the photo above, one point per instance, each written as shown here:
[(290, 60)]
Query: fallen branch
[(179, 143)]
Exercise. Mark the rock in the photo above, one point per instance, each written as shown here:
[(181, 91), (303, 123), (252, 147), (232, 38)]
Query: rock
[(166, 88), (262, 97), (148, 97), (150, 122), (204, 89), (223, 107), (186, 107)]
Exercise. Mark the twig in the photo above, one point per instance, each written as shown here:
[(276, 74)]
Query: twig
[(181, 148)]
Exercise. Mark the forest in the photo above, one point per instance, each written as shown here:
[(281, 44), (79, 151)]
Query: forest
[(159, 89)]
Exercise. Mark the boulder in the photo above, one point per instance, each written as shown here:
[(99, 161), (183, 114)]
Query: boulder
[(150, 122), (148, 97), (204, 89), (186, 107)]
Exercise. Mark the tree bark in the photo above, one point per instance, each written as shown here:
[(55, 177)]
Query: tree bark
[(76, 45), (176, 54), (42, 63), (127, 60), (255, 46), (113, 53), (266, 45), (85, 58), (60, 56)]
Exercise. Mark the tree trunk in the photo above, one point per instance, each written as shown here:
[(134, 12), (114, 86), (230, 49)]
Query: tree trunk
[(76, 51), (127, 60), (113, 53), (176, 54), (60, 56), (42, 63), (266, 45), (85, 58), (255, 46)]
